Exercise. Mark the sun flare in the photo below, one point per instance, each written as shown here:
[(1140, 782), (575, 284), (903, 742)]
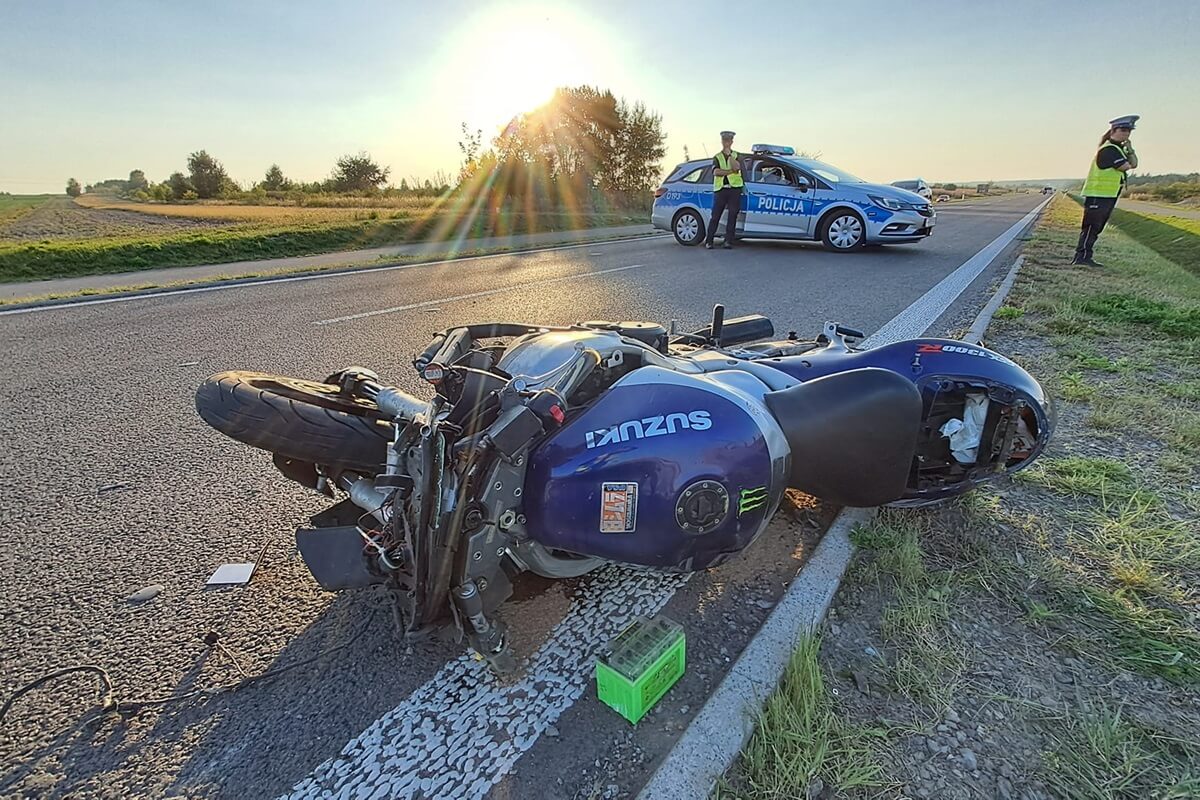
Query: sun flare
[(510, 61)]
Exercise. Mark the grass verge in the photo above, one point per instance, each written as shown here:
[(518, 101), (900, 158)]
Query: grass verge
[(1059, 612), (341, 266), (801, 746), (72, 258)]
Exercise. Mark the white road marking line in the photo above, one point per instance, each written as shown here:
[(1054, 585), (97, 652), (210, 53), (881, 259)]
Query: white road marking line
[(460, 733), (152, 294), (916, 319), (486, 293)]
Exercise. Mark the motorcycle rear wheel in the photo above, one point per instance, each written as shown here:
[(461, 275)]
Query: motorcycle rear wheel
[(298, 419)]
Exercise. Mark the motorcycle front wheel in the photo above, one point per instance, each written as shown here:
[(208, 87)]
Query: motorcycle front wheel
[(298, 419)]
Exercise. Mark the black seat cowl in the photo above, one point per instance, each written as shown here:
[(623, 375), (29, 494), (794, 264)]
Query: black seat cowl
[(853, 435)]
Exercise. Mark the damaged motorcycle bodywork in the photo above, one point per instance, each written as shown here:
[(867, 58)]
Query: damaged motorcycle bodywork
[(557, 450)]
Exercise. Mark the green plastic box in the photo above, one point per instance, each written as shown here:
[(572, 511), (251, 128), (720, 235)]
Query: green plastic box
[(639, 666)]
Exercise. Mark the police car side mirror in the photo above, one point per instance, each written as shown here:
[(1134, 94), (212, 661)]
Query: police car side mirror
[(804, 185)]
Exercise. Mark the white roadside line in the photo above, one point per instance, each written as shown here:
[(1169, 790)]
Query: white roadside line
[(486, 293), (916, 319), (151, 294), (461, 732), (721, 729)]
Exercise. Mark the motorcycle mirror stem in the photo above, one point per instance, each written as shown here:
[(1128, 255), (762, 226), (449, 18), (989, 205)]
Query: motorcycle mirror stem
[(718, 322)]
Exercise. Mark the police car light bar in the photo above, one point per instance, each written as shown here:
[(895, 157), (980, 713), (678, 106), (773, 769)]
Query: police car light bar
[(773, 149)]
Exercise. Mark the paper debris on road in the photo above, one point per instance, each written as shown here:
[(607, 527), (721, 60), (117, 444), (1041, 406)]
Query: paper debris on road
[(232, 575)]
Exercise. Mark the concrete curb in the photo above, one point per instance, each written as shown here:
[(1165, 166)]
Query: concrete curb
[(717, 734), (303, 274), (975, 333)]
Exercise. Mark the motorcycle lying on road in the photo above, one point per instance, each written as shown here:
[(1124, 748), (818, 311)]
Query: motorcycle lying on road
[(556, 450)]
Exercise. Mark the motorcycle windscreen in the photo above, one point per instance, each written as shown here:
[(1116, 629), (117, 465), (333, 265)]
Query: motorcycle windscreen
[(853, 435)]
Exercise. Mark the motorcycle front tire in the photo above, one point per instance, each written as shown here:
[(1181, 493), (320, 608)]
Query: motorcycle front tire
[(297, 419)]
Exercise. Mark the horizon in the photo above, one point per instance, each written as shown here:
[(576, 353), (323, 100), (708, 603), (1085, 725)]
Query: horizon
[(220, 79)]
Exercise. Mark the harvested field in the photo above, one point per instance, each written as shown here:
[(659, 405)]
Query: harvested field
[(60, 218), (275, 215), (14, 207)]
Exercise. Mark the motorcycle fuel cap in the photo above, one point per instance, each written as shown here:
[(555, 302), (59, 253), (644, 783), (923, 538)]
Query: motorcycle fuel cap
[(701, 507)]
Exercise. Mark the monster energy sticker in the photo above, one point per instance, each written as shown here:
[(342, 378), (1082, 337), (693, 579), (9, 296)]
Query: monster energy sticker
[(752, 500)]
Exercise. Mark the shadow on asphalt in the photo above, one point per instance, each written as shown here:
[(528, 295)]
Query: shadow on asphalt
[(250, 741)]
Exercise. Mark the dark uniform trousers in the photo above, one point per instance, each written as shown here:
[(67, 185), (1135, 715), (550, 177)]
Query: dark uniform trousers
[(1096, 211), (728, 198)]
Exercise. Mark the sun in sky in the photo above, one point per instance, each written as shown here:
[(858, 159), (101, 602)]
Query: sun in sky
[(509, 60)]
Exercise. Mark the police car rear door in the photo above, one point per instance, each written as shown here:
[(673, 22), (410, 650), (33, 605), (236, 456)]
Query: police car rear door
[(778, 201)]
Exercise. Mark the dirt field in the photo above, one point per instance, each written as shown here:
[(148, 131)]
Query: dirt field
[(60, 218), (275, 215)]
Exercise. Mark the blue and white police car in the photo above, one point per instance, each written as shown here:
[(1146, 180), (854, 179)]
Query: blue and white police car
[(790, 197)]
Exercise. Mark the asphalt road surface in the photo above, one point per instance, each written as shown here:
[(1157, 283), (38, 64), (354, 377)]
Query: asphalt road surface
[(112, 483)]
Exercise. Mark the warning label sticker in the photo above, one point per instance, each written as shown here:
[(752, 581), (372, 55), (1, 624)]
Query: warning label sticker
[(618, 507)]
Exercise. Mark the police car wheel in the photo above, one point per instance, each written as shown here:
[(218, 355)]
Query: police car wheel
[(843, 232), (688, 227)]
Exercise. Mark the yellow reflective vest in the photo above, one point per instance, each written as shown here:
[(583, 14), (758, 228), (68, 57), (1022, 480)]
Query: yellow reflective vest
[(1104, 182), (734, 180)]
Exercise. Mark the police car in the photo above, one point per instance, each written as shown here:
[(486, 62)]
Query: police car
[(790, 197)]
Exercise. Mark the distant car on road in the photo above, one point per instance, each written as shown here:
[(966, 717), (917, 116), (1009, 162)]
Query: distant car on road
[(943, 198), (1047, 190), (919, 186), (789, 197)]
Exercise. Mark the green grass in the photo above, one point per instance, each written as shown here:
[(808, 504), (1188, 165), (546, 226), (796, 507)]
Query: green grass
[(70, 258), (1073, 386), (928, 664), (1174, 238), (1172, 319), (1009, 312), (1183, 390), (800, 739), (1102, 755), (1103, 478)]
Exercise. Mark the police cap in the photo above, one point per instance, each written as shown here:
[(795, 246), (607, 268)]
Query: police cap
[(727, 134), (1128, 121)]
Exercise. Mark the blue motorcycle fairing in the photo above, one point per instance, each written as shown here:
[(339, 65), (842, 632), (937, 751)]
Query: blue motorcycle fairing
[(611, 483), (938, 366)]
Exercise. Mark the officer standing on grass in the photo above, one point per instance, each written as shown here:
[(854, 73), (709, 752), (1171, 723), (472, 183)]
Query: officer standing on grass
[(727, 190), (1104, 183)]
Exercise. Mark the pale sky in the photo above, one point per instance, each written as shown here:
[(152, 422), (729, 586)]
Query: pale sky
[(940, 89)]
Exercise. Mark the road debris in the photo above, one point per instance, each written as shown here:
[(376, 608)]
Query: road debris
[(146, 593), (232, 575)]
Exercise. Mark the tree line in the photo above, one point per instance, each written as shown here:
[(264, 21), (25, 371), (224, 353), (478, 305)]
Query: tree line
[(584, 149), (206, 178)]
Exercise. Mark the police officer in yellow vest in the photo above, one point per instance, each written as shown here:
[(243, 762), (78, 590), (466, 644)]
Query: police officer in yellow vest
[(727, 190), (1104, 183)]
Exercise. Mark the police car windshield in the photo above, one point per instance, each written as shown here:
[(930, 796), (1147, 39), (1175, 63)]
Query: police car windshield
[(827, 171)]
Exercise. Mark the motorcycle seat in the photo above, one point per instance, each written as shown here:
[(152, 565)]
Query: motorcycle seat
[(853, 435)]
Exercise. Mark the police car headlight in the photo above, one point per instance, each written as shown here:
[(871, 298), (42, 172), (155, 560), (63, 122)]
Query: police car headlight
[(889, 203)]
